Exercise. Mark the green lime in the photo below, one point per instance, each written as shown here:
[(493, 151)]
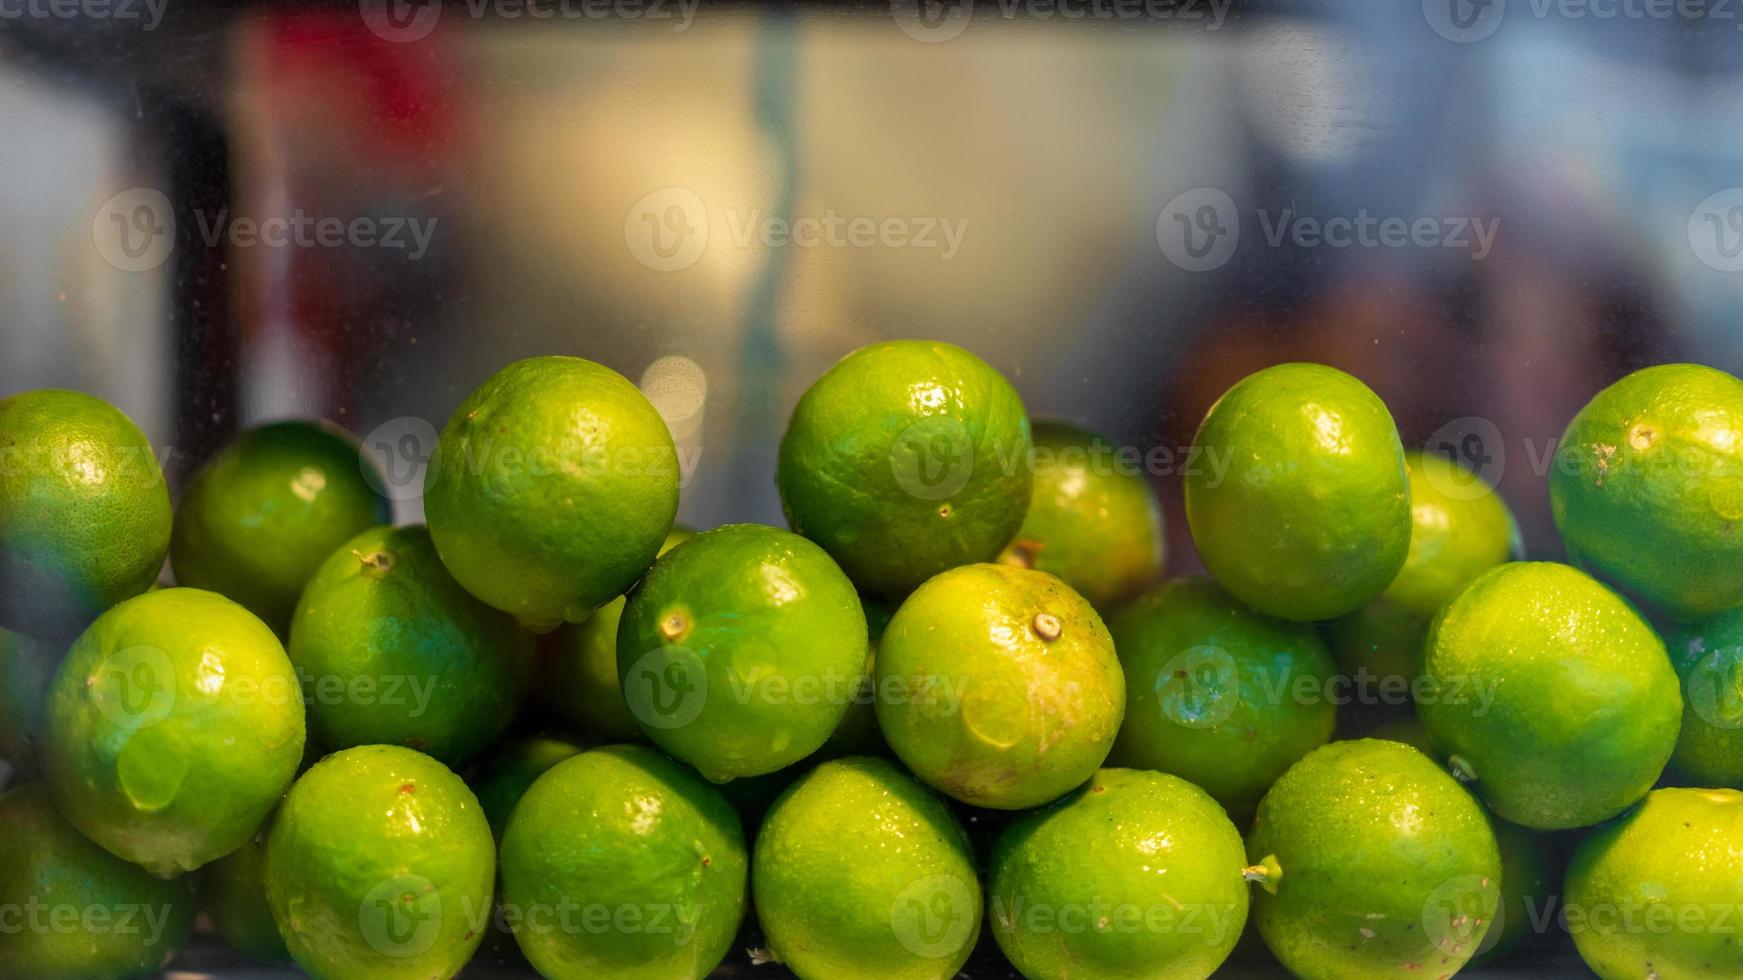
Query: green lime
[(577, 673), (1372, 862), (999, 686), (860, 872), (1539, 655), (233, 893), (740, 651), (380, 865), (1302, 507), (1657, 893), (1137, 874), (620, 863), (1217, 694), (1708, 657), (907, 458), (174, 725), (1459, 528), (504, 775), (1528, 891), (1093, 519), (73, 911), (858, 734), (1647, 489), (262, 514), (26, 669), (84, 513), (551, 489), (392, 651)]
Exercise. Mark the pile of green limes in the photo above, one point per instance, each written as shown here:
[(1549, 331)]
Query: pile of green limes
[(551, 724)]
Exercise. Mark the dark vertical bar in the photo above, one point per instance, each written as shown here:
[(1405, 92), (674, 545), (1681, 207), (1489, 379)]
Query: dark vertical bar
[(192, 143)]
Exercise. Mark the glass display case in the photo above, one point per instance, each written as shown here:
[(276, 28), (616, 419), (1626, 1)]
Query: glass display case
[(216, 215)]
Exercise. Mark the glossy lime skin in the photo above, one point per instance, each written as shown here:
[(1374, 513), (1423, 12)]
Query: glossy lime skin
[(740, 651), (392, 651), (75, 911), (577, 672), (999, 686), (1459, 529), (26, 668), (1647, 488), (1541, 655), (653, 857), (906, 458), (1093, 519), (1708, 657), (1137, 874), (551, 489), (262, 514), (1303, 508), (233, 893), (84, 513), (506, 773), (860, 873), (1388, 867), (1658, 893), (380, 864), (1528, 882), (1219, 695), (174, 725)]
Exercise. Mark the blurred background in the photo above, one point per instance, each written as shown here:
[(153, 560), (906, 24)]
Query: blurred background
[(215, 214)]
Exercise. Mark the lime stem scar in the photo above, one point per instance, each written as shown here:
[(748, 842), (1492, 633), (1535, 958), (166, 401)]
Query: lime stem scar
[(1046, 626), (675, 626), (376, 563), (1265, 874)]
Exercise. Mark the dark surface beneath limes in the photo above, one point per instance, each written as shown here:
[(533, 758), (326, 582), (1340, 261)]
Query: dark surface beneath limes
[(207, 957)]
